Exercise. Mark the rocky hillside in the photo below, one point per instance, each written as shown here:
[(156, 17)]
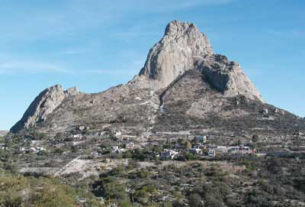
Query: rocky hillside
[(183, 86)]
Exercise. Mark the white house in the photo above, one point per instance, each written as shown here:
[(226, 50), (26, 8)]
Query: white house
[(211, 153), (240, 150), (222, 149), (129, 145), (77, 136), (118, 134), (117, 149), (196, 150), (168, 154)]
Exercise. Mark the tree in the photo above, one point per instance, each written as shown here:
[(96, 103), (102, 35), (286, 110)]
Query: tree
[(195, 140), (188, 145), (255, 138), (196, 200)]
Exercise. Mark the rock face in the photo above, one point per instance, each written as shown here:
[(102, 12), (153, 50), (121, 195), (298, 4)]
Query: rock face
[(43, 105), (184, 48), (182, 86), (227, 77), (175, 52)]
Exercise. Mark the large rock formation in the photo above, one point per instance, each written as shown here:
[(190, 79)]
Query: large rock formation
[(184, 48), (175, 52), (43, 105), (183, 86)]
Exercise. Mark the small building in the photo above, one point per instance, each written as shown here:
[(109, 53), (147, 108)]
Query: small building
[(201, 139), (35, 149), (77, 136), (211, 153), (222, 149), (168, 154), (240, 150), (2, 146), (196, 151), (117, 149), (118, 134), (129, 145), (179, 146)]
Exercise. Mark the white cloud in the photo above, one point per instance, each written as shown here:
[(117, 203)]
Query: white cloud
[(74, 51), (14, 67), (109, 72)]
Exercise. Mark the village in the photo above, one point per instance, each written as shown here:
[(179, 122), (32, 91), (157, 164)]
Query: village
[(166, 146), (85, 150), (103, 144)]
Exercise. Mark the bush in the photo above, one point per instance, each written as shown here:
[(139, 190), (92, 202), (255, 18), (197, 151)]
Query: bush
[(112, 189), (17, 190), (195, 200), (257, 199), (143, 194)]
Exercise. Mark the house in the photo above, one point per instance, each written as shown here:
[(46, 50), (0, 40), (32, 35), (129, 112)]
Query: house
[(196, 151), (234, 149), (178, 146), (40, 149), (96, 134), (168, 154), (117, 149), (201, 139), (222, 149), (2, 146), (35, 149), (129, 145), (240, 150), (77, 136), (211, 153), (118, 134), (262, 154)]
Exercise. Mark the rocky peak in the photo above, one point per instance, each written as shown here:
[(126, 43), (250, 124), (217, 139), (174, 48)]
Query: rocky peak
[(184, 48), (43, 105), (175, 52)]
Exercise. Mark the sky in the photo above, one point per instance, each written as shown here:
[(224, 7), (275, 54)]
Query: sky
[(96, 44)]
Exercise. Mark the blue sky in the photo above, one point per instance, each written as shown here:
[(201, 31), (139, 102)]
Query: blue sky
[(95, 44)]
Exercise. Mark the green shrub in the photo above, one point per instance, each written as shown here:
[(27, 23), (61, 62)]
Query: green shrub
[(195, 200)]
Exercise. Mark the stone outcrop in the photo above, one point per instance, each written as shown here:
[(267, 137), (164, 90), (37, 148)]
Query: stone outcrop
[(43, 105), (184, 48), (227, 77), (175, 52)]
